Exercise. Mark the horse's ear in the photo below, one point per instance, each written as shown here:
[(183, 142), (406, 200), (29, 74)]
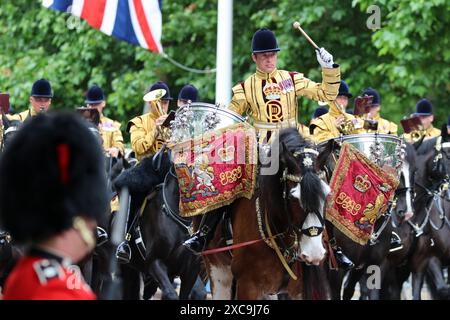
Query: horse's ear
[(444, 133), (5, 121)]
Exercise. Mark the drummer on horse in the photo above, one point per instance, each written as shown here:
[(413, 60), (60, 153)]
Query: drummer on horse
[(269, 97)]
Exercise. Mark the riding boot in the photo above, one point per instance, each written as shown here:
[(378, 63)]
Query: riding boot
[(342, 260), (102, 236), (123, 252), (396, 242), (199, 240)]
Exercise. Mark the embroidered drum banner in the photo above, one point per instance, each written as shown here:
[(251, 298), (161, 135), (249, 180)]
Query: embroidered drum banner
[(216, 168), (360, 193)]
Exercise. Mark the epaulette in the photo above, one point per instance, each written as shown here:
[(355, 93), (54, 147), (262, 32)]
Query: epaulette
[(131, 122)]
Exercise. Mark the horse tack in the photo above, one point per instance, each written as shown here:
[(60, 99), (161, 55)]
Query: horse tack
[(290, 254)]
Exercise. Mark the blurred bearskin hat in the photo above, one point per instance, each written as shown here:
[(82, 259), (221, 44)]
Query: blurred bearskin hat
[(52, 171)]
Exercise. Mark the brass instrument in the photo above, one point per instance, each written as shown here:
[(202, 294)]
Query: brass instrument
[(154, 99), (414, 127), (416, 135), (349, 126)]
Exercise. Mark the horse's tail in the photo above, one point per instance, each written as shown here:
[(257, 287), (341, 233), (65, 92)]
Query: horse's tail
[(312, 192), (315, 283)]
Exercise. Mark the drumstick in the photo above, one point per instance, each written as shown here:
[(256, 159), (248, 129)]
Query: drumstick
[(296, 25)]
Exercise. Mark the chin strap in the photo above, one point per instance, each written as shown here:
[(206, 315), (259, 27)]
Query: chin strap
[(86, 234)]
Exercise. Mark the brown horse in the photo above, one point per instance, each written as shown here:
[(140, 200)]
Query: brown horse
[(291, 202)]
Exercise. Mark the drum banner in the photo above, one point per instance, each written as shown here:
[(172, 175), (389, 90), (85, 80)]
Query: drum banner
[(360, 193), (216, 168)]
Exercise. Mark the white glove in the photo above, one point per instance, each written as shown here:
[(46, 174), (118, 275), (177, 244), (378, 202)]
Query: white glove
[(325, 58)]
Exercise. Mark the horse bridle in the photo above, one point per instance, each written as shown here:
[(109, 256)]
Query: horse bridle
[(434, 193), (308, 162)]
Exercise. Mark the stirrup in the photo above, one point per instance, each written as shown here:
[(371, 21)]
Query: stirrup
[(102, 236), (396, 242), (196, 244), (123, 252)]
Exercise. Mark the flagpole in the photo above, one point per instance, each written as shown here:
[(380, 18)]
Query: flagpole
[(224, 51)]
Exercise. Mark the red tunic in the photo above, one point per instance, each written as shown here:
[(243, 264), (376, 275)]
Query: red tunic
[(46, 277)]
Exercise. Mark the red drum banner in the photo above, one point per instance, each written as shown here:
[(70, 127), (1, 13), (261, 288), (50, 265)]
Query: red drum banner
[(360, 193), (216, 168)]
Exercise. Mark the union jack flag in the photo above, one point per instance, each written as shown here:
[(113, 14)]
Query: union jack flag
[(136, 21)]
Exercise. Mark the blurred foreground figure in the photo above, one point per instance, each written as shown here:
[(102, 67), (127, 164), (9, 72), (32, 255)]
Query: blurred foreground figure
[(52, 194)]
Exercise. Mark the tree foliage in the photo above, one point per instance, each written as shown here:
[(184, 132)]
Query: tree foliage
[(406, 59)]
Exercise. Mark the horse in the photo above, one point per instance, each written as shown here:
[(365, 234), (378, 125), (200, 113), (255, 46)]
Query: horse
[(95, 267), (163, 230), (9, 255), (426, 229), (434, 187), (290, 203), (430, 223), (10, 128), (400, 212), (363, 256)]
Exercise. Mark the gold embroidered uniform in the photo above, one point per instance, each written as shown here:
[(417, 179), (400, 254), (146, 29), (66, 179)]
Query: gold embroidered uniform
[(271, 99)]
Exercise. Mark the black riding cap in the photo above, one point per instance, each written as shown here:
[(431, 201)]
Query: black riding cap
[(161, 85), (94, 95), (42, 88), (188, 92), (424, 108), (52, 171), (374, 93), (344, 90), (264, 41)]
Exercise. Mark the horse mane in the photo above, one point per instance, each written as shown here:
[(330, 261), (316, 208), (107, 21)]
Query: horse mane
[(311, 186), (292, 140), (410, 155), (144, 176)]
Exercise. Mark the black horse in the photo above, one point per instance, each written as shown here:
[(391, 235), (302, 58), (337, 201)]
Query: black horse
[(163, 230), (10, 128), (433, 189), (430, 223), (9, 255), (371, 254), (401, 212), (428, 231)]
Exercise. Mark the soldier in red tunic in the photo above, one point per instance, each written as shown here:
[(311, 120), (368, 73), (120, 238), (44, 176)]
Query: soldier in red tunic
[(52, 194)]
